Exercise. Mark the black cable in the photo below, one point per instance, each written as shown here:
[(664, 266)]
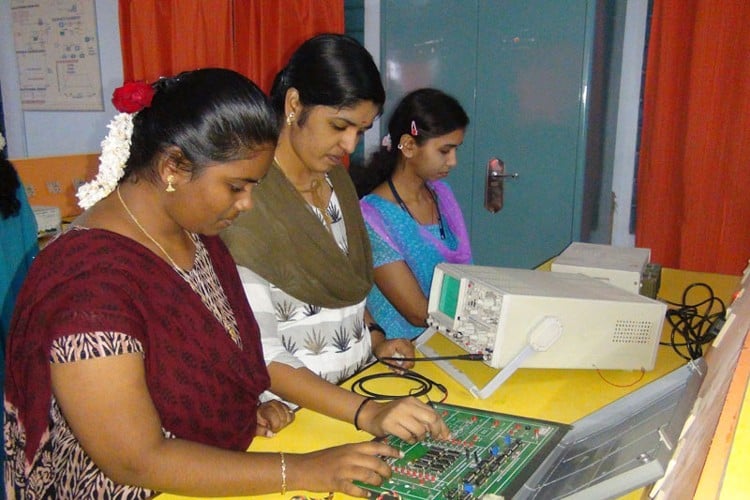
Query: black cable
[(424, 384), (694, 323)]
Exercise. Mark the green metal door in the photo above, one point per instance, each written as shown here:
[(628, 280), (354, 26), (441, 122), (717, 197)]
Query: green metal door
[(521, 70)]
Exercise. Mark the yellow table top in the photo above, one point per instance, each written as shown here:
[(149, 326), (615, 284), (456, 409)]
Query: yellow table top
[(735, 483), (558, 395)]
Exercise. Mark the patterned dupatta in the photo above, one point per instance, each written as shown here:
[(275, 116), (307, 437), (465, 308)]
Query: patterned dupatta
[(416, 248)]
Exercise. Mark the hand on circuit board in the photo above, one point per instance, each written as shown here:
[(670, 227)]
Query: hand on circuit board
[(407, 418), (336, 469)]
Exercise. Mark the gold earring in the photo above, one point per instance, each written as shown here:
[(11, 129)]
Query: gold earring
[(170, 188), (290, 118)]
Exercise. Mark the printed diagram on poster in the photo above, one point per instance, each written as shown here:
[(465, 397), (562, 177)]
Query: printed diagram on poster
[(57, 51)]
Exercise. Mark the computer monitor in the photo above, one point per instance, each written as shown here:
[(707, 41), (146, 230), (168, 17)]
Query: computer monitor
[(539, 319)]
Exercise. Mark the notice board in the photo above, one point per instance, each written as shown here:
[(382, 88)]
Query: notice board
[(57, 52)]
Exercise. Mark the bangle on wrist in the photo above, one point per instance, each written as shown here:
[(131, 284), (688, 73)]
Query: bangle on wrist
[(283, 474), (359, 410)]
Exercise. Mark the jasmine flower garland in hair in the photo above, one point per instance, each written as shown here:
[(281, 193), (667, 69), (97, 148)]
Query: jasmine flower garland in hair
[(128, 99), (115, 152), (2, 142)]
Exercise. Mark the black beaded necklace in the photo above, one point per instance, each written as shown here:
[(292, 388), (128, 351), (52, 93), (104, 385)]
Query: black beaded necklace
[(406, 209)]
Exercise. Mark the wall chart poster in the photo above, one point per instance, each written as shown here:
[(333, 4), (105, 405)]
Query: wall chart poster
[(57, 50)]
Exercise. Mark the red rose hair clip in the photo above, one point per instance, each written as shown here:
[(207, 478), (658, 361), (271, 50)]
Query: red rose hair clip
[(133, 97)]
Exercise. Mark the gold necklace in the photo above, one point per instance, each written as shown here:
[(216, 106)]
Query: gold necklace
[(316, 185), (143, 230), (225, 323)]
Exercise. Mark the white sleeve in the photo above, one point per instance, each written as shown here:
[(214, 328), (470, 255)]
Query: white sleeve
[(258, 293)]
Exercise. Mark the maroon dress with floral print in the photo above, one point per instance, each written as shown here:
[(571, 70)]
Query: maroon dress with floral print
[(93, 293)]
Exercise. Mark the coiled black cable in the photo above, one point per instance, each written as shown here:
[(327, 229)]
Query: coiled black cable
[(424, 385), (696, 321)]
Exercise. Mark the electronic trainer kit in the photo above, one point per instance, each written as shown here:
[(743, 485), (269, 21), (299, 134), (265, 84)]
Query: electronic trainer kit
[(488, 453), (625, 445)]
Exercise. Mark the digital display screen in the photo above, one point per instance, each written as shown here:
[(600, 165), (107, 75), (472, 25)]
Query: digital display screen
[(448, 302)]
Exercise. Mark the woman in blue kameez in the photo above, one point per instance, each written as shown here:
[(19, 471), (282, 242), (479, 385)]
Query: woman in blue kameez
[(18, 233), (412, 217)]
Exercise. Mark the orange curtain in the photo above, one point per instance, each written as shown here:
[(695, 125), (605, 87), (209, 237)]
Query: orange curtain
[(164, 37), (269, 32), (253, 37), (693, 187)]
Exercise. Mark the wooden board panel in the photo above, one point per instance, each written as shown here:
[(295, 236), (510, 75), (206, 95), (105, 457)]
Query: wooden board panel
[(53, 181)]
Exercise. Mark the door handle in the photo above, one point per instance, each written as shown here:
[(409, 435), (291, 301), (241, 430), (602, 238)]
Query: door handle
[(493, 184)]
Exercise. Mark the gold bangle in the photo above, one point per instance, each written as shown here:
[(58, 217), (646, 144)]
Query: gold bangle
[(283, 473)]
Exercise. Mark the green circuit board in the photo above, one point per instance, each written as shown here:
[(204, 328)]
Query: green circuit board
[(489, 454)]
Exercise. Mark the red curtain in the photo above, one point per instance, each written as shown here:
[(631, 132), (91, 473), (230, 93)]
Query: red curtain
[(270, 31), (693, 187), (164, 37), (253, 37)]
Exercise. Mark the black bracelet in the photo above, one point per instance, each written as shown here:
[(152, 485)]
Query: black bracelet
[(359, 409), (374, 326)]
